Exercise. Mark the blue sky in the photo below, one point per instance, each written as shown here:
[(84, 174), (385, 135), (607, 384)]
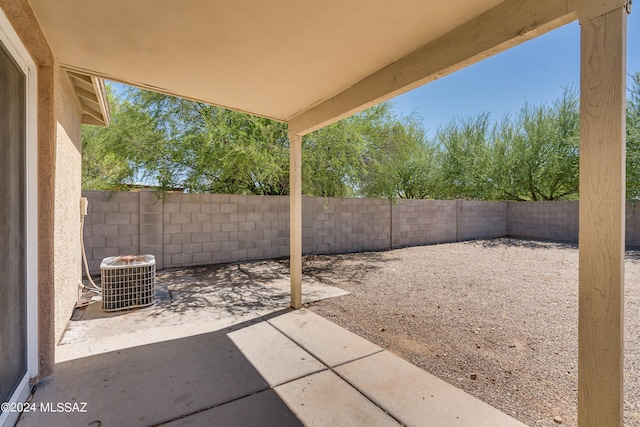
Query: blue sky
[(535, 72)]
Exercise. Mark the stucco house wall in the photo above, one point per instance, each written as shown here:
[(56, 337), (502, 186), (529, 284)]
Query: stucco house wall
[(68, 172), (59, 115), (26, 26)]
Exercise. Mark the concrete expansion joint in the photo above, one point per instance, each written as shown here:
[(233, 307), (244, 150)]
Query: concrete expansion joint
[(333, 369), (356, 359), (299, 345), (211, 407), (360, 391)]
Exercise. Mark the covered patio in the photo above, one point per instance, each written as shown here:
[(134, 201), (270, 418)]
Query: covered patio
[(310, 64)]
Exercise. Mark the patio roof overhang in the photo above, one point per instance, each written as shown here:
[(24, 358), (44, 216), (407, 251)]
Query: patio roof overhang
[(311, 63), (308, 63)]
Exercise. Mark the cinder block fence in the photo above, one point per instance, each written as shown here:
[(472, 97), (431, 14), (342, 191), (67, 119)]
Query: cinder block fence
[(199, 229)]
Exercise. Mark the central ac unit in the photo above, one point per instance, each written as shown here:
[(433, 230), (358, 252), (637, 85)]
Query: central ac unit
[(128, 282)]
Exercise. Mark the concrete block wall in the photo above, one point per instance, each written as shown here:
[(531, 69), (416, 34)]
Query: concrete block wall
[(198, 229), (332, 225), (633, 225), (151, 236), (544, 220), (558, 220), (423, 222), (481, 220), (112, 225), (204, 229)]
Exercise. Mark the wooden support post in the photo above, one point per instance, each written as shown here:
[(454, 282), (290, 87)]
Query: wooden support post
[(602, 211), (295, 218)]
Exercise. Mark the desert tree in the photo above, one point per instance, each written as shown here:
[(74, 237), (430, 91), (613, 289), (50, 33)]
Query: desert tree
[(536, 155), (399, 159), (464, 158)]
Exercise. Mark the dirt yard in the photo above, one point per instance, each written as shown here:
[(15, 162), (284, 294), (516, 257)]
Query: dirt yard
[(497, 318)]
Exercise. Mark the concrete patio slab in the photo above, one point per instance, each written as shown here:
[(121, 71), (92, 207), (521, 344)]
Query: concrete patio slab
[(148, 385), (324, 399), (259, 372), (223, 348), (417, 398), (325, 340), (264, 409), (273, 355), (110, 343)]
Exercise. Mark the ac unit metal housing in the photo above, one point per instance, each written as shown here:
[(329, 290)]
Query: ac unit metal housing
[(128, 282)]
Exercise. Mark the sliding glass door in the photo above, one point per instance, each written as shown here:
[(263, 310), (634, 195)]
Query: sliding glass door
[(18, 223), (13, 275)]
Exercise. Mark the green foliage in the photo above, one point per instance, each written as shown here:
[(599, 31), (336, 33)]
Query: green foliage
[(110, 156), (208, 149), (399, 161), (464, 157), (531, 157), (536, 157), (172, 142), (176, 143), (332, 158)]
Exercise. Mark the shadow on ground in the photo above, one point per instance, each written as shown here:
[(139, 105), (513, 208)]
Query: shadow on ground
[(228, 294), (631, 253), (204, 378), (521, 243), (325, 267), (247, 287)]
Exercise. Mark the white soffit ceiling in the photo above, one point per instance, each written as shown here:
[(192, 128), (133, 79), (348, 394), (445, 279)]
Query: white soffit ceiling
[(282, 58), (270, 58)]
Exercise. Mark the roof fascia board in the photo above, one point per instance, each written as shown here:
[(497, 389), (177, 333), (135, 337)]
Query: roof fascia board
[(101, 94)]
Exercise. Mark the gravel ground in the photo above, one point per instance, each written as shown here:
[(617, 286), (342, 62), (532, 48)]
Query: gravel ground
[(501, 311)]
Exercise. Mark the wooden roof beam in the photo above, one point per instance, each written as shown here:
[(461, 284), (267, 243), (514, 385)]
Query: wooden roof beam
[(90, 120), (506, 25), (87, 95), (90, 111), (80, 77)]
